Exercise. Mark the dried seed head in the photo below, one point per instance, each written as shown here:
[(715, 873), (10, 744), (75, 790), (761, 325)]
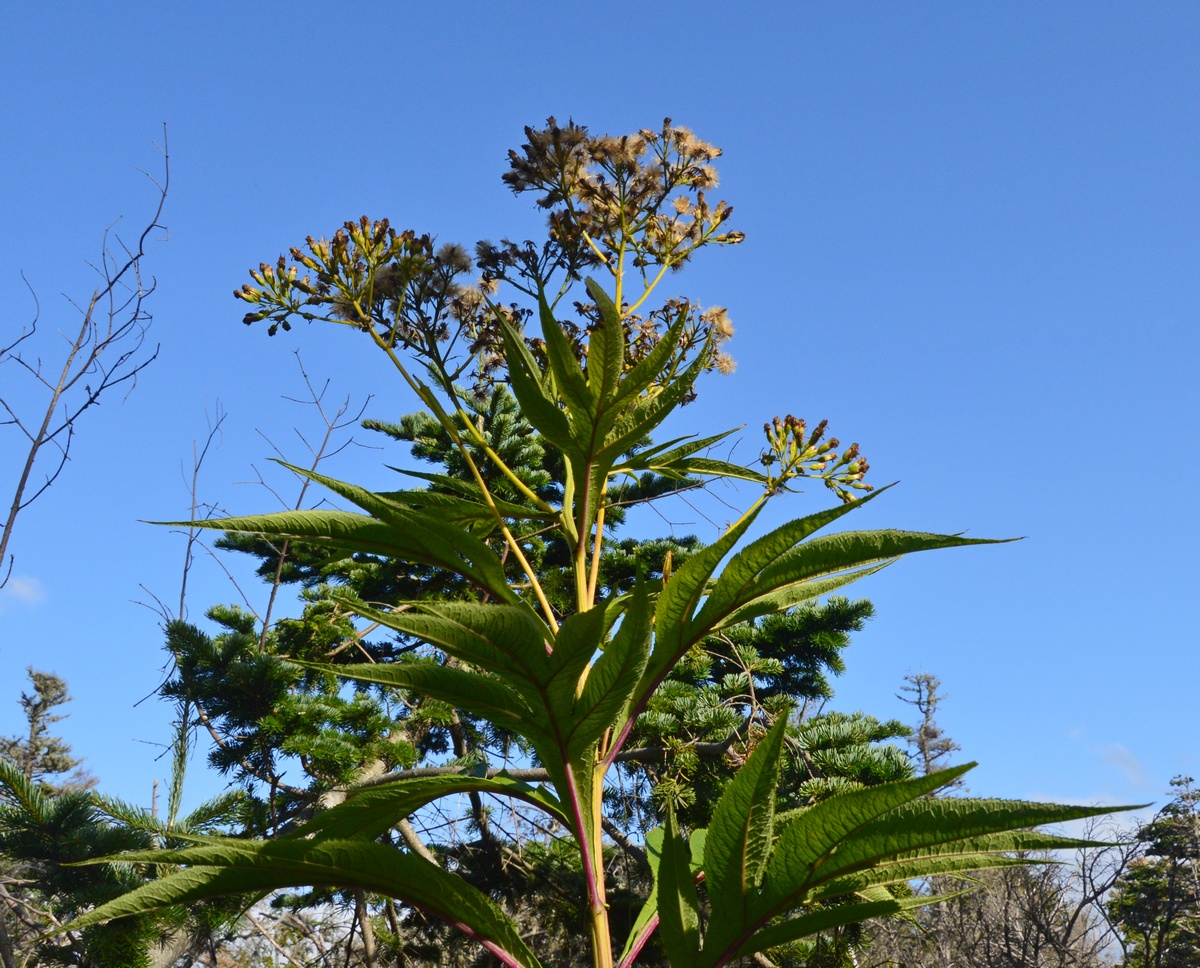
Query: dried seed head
[(717, 317), (724, 363)]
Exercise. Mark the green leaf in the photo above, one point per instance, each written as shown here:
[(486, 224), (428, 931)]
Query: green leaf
[(568, 377), (679, 599), (504, 639), (852, 549), (369, 812), (954, 824), (638, 421), (392, 530), (580, 637), (647, 918), (786, 597), (677, 449), (807, 847), (751, 583), (237, 867), (678, 904), (613, 677), (654, 363), (429, 532), (638, 626), (742, 578), (707, 467), (606, 348), (740, 838), (824, 919), (677, 462), (975, 854), (538, 405), (478, 694), (468, 508)]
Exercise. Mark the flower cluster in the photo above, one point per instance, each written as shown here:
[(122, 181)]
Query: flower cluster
[(637, 199), (794, 452), (635, 204)]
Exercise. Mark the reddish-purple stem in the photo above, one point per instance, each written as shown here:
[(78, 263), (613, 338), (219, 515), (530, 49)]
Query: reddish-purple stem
[(509, 960), (640, 943), (585, 846)]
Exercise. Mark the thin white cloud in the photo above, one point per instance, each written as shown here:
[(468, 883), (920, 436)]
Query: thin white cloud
[(1120, 757), (21, 590)]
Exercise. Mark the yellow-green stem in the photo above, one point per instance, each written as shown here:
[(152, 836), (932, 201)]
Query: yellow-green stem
[(602, 956), (620, 274), (503, 467), (601, 936), (649, 289), (581, 581), (597, 548), (487, 495), (599, 252)]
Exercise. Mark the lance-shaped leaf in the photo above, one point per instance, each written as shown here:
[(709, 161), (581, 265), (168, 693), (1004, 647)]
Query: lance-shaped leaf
[(680, 596), (678, 462), (479, 694), (538, 404), (465, 506), (568, 377), (707, 467), (974, 854), (781, 599), (391, 530), (857, 843), (805, 847), (579, 639), (436, 536), (949, 826), (678, 903), (895, 822), (655, 364), (638, 421), (665, 454), (733, 587), (239, 866), (613, 678), (646, 922), (824, 919), (370, 812), (740, 838), (829, 554), (742, 581), (505, 639), (678, 601), (778, 571), (606, 347)]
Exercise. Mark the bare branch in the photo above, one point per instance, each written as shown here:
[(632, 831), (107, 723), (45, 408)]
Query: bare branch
[(105, 352)]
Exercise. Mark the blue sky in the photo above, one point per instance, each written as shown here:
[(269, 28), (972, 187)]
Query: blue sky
[(972, 243)]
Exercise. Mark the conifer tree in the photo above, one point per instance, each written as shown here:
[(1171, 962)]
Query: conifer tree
[(38, 755), (1156, 904)]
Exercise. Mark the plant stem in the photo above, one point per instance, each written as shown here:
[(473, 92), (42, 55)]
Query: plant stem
[(426, 396), (597, 548), (649, 289), (588, 836)]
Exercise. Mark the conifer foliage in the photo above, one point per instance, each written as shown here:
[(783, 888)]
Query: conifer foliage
[(512, 619), (40, 756)]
